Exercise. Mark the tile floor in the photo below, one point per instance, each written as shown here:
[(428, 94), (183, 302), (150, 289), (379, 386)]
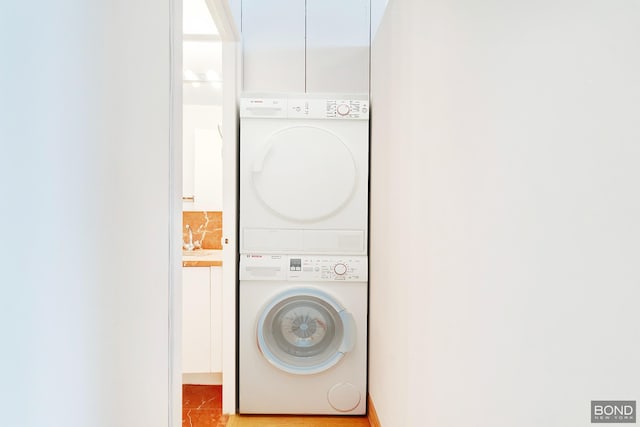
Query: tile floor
[(202, 407)]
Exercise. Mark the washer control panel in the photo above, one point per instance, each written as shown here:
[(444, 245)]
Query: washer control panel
[(303, 268), (327, 268)]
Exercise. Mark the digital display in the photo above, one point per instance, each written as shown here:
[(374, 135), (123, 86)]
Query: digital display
[(295, 264)]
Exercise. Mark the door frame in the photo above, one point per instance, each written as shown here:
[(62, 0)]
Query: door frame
[(175, 215), (221, 12), (223, 16)]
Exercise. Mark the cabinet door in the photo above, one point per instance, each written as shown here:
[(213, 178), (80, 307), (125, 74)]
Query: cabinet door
[(216, 319), (273, 43), (207, 181), (338, 34), (202, 158), (196, 320)]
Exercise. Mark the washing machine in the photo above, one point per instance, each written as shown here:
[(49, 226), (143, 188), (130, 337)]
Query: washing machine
[(302, 334), (304, 168)]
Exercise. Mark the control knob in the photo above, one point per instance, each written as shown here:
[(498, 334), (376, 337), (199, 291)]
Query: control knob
[(340, 269), (343, 109)]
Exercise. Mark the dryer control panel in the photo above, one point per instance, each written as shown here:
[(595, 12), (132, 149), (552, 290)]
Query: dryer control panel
[(340, 108), (328, 108), (304, 268)]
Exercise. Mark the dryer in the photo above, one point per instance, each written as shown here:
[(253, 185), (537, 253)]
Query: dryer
[(303, 334), (304, 172)]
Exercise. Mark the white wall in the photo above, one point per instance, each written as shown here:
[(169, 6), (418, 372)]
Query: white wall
[(232, 67), (391, 274), (504, 244), (86, 219)]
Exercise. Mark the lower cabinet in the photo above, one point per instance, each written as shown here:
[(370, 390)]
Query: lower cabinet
[(201, 319)]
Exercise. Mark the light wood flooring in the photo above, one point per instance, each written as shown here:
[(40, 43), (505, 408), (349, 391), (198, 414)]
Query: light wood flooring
[(295, 421)]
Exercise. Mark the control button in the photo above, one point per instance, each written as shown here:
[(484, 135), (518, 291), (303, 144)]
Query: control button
[(343, 109), (340, 269)]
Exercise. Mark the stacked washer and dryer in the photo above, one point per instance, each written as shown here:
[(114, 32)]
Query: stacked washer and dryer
[(304, 172)]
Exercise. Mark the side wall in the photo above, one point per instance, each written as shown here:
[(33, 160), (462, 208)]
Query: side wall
[(86, 217), (504, 244)]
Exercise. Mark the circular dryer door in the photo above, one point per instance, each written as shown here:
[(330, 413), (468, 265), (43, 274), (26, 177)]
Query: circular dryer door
[(304, 173), (305, 331)]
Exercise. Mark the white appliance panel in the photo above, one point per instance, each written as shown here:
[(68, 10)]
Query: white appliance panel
[(303, 334), (304, 175), (303, 268)]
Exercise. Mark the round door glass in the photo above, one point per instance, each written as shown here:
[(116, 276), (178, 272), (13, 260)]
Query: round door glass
[(301, 334), (304, 173)]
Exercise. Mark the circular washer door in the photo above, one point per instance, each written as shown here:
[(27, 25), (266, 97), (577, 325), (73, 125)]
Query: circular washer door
[(305, 331), (304, 173)]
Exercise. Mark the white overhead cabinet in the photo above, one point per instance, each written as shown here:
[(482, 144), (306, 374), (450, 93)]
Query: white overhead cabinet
[(337, 49), (317, 46), (273, 42), (202, 320)]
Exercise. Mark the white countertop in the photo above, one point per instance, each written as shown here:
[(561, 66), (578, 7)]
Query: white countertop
[(202, 258)]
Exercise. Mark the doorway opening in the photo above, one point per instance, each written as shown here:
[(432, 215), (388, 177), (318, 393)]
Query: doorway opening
[(202, 190), (206, 311)]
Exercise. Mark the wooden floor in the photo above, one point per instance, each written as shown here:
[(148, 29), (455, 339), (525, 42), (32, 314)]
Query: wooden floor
[(295, 421)]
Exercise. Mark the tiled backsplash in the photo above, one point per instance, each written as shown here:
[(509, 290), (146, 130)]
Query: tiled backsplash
[(206, 228)]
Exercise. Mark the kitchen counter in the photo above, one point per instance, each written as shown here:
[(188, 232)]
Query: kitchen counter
[(202, 258)]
